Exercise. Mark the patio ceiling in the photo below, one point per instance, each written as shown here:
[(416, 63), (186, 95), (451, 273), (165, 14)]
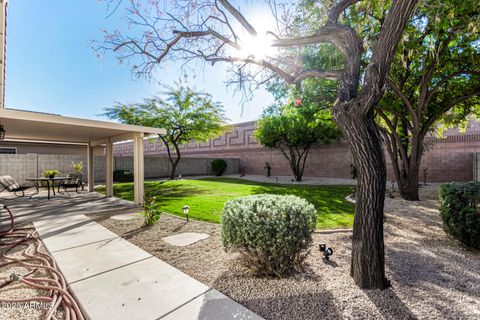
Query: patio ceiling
[(26, 125)]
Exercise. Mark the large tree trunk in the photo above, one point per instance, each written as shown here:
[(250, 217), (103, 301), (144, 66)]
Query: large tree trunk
[(368, 257), (405, 171), (409, 187)]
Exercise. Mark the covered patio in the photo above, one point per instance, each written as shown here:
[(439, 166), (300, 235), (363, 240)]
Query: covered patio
[(41, 127)]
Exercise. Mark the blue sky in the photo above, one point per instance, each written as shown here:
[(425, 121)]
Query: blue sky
[(51, 67)]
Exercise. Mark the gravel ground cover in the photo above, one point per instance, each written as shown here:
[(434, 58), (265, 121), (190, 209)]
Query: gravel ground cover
[(432, 276)]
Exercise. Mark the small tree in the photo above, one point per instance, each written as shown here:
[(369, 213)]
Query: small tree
[(185, 114), (294, 130)]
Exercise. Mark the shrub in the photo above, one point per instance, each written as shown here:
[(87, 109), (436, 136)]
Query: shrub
[(77, 166), (460, 213), (219, 166), (50, 173), (151, 213), (122, 176), (272, 232)]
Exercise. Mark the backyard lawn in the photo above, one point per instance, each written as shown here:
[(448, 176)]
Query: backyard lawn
[(206, 197)]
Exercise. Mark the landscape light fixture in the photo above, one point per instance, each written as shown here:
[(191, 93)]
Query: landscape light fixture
[(2, 132), (327, 251), (185, 210)]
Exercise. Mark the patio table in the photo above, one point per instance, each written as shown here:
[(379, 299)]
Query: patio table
[(49, 181)]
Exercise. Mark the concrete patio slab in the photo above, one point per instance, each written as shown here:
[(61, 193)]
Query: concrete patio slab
[(53, 222), (212, 305), (185, 239), (39, 208), (148, 289), (101, 256), (79, 233)]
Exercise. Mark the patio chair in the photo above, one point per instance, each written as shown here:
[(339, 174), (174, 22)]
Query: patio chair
[(9, 184), (73, 180)]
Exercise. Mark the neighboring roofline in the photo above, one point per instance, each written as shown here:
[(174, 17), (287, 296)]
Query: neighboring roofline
[(42, 117), (239, 124)]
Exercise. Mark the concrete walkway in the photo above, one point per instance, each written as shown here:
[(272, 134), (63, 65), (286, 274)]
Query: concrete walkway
[(112, 278)]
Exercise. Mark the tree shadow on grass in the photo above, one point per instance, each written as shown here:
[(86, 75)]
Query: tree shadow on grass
[(125, 191), (329, 200)]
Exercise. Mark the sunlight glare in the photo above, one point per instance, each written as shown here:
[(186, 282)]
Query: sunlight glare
[(259, 46)]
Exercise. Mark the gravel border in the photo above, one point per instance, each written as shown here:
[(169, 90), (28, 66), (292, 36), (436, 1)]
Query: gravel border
[(432, 276)]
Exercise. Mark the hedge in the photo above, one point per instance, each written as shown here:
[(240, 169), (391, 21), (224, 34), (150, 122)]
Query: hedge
[(460, 212)]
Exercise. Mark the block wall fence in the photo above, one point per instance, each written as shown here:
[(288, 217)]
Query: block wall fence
[(24, 166), (449, 158), (452, 158)]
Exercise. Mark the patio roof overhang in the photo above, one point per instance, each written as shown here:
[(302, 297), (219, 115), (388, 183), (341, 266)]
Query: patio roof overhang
[(42, 127), (36, 126)]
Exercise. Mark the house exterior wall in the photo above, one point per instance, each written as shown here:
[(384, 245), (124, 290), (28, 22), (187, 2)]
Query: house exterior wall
[(45, 148)]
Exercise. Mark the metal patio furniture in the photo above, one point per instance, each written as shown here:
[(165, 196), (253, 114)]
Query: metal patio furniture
[(9, 184), (73, 180), (50, 184)]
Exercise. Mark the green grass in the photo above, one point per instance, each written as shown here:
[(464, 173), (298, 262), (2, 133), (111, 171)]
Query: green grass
[(206, 197)]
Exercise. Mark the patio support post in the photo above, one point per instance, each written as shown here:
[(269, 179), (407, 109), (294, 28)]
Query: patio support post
[(90, 167), (109, 168), (138, 168)]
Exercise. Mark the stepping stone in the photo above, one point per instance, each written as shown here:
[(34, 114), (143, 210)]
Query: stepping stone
[(124, 217), (185, 239)]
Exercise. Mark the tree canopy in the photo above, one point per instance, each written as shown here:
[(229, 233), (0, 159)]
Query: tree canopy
[(433, 84), (186, 115), (294, 130)]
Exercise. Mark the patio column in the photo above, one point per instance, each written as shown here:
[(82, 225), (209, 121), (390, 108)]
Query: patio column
[(90, 167), (109, 168), (138, 169)]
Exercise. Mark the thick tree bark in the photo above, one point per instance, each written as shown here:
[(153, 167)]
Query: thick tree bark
[(409, 190), (368, 257)]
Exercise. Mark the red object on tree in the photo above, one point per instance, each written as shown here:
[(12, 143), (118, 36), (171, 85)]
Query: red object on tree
[(298, 102)]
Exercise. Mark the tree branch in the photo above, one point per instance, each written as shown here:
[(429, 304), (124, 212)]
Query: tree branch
[(384, 51), (405, 100), (240, 18)]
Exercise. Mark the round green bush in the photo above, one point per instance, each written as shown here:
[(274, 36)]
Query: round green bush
[(460, 211), (219, 166), (272, 233)]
